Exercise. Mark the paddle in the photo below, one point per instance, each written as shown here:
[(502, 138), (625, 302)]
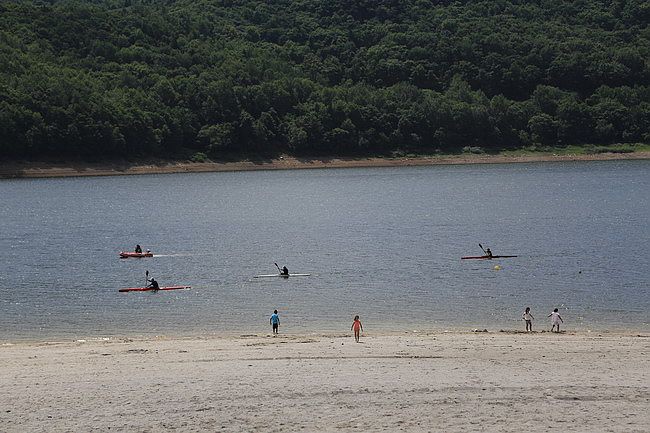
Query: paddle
[(482, 248), (146, 278)]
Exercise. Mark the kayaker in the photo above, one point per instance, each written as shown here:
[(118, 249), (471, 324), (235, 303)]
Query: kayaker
[(138, 249), (488, 253), (284, 271), (153, 284)]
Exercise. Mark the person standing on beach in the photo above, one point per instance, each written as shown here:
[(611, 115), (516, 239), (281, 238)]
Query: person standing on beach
[(529, 319), (555, 320), (275, 321), (356, 327)]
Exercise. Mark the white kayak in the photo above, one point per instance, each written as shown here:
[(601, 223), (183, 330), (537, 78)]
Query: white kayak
[(281, 275)]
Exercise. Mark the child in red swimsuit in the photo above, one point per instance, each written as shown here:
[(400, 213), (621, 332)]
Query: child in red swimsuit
[(356, 327)]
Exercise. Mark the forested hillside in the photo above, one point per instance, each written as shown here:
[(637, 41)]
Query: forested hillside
[(126, 78)]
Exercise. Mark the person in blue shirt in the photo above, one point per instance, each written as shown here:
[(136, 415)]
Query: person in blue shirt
[(275, 321)]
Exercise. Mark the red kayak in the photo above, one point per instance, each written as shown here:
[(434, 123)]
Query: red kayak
[(486, 257), (127, 254), (149, 289)]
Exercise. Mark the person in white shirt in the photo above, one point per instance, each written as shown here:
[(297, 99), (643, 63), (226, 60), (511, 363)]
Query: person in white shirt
[(555, 320), (529, 319)]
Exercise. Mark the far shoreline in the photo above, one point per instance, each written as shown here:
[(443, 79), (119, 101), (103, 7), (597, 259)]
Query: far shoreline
[(45, 169)]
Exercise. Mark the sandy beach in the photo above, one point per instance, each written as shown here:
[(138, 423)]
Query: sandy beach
[(451, 382), (36, 169)]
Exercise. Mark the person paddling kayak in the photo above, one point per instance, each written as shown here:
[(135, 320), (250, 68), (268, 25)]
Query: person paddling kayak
[(488, 252), (284, 271), (138, 249), (153, 284)]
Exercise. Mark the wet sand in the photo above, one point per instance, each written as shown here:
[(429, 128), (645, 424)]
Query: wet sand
[(451, 382), (17, 169)]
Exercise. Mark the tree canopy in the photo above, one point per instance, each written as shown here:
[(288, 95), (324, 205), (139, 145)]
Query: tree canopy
[(170, 78)]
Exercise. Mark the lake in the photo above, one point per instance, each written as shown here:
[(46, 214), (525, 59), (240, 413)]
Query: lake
[(384, 243)]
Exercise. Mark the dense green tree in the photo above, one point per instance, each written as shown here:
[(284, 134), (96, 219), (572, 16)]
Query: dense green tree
[(126, 78)]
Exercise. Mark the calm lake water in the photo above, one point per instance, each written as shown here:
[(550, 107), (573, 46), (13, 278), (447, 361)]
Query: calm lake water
[(384, 243)]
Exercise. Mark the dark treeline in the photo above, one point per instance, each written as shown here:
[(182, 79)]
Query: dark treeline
[(125, 78)]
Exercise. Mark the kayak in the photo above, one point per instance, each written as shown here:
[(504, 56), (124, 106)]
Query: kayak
[(486, 257), (282, 275), (149, 289), (127, 254)]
